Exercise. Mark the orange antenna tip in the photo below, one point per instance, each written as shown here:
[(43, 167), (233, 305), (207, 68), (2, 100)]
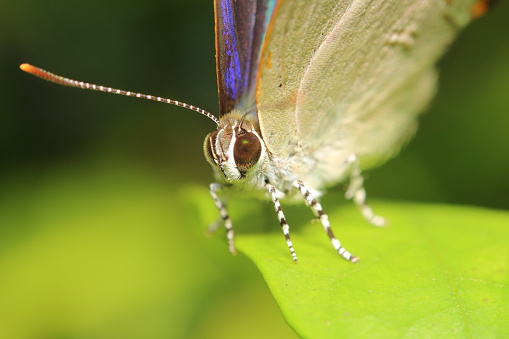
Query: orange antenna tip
[(32, 70), (26, 67)]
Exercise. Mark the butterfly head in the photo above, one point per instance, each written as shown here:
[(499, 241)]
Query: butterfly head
[(236, 147)]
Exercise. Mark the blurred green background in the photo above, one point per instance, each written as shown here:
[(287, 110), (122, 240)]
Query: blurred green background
[(101, 235)]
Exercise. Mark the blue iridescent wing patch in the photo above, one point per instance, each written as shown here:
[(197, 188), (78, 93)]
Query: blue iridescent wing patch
[(240, 30)]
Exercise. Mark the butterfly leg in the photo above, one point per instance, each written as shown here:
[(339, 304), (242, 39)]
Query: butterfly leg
[(215, 225), (282, 219), (324, 219), (214, 188), (357, 192)]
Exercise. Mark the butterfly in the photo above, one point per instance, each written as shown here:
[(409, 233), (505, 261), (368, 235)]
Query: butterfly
[(312, 93)]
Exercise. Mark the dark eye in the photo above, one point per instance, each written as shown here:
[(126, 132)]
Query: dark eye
[(208, 148), (246, 151)]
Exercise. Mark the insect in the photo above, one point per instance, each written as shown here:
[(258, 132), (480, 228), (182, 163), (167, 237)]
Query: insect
[(313, 92)]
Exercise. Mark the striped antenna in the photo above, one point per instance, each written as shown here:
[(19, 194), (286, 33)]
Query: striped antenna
[(43, 74)]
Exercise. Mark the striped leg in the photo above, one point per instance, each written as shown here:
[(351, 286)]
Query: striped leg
[(282, 219), (324, 219), (214, 187), (357, 192)]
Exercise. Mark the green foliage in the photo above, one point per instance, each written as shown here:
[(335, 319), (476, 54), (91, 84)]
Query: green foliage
[(435, 271), (102, 251), (91, 253)]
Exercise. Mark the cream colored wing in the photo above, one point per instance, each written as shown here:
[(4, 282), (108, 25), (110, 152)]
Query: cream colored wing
[(350, 77)]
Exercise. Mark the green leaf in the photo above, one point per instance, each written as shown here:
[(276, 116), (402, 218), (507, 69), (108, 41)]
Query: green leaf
[(435, 271), (107, 251)]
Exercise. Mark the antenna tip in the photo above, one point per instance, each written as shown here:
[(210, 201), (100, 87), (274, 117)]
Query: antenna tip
[(27, 68)]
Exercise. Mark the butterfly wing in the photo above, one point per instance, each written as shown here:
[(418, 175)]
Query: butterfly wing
[(240, 29), (350, 77)]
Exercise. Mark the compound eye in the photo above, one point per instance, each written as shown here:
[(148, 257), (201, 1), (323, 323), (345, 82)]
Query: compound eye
[(208, 148), (246, 151)]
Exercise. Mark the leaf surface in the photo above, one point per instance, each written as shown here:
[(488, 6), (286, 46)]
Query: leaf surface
[(435, 271)]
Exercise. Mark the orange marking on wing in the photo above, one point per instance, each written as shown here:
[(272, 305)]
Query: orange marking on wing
[(268, 61), (481, 7)]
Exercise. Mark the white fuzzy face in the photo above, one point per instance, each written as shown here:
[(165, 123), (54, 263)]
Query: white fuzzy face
[(236, 147)]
